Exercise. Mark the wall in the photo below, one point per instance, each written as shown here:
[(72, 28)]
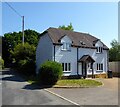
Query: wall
[(64, 56), (98, 57), (114, 66), (43, 51)]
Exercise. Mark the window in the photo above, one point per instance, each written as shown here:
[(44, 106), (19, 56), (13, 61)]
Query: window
[(90, 65), (66, 46), (66, 66), (69, 67), (99, 67), (99, 49), (63, 66)]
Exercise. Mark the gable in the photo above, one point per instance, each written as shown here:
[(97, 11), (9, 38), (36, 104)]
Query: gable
[(99, 44), (66, 39)]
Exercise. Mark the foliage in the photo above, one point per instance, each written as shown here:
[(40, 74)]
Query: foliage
[(10, 40), (50, 72), (114, 52), (24, 58), (69, 27), (1, 63)]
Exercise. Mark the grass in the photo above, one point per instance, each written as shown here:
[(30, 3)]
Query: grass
[(69, 82), (78, 83)]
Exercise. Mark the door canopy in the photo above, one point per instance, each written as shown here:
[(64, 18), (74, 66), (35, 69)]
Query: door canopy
[(86, 58)]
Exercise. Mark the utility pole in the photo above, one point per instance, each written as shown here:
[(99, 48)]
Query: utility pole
[(23, 30)]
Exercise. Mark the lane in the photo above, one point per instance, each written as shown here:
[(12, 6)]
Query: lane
[(104, 95), (15, 91)]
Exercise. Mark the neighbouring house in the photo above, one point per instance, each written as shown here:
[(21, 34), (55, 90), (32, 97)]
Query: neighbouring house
[(79, 53)]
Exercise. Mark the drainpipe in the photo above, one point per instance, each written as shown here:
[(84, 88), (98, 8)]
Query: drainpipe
[(77, 62)]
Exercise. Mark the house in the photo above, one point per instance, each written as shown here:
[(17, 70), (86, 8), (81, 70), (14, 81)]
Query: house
[(79, 53)]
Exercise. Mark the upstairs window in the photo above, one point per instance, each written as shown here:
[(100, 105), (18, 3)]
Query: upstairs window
[(99, 49), (66, 46)]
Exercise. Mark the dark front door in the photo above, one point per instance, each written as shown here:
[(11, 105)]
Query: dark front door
[(84, 69)]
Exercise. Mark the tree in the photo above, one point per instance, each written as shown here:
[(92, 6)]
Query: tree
[(114, 52), (24, 58), (69, 27), (10, 40)]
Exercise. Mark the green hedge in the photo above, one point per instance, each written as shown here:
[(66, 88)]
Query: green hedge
[(50, 72)]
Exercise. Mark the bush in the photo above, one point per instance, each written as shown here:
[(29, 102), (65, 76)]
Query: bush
[(26, 67), (50, 72), (1, 63), (24, 58)]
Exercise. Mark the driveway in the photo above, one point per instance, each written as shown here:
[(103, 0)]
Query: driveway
[(15, 91), (104, 95)]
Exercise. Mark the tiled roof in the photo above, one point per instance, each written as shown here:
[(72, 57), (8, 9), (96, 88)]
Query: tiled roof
[(78, 39)]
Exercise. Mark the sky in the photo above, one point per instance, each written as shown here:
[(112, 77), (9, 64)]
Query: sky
[(99, 19)]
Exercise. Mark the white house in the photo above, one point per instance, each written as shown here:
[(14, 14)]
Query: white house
[(79, 53)]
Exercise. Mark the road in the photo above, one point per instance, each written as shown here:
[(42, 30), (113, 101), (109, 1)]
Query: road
[(103, 95), (15, 91)]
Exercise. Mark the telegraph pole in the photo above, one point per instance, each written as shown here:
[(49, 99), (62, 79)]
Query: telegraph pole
[(23, 30)]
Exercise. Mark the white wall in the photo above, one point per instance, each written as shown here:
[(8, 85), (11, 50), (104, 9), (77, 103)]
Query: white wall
[(98, 57), (64, 56), (67, 57), (43, 51)]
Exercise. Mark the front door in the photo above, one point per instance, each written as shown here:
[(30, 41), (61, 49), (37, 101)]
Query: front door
[(84, 69)]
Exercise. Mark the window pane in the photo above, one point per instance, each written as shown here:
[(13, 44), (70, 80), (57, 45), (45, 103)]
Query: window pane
[(91, 65), (63, 45), (69, 67), (97, 66), (101, 49), (65, 66), (101, 66), (97, 49)]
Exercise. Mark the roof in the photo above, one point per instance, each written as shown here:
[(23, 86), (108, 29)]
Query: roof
[(85, 58), (78, 39)]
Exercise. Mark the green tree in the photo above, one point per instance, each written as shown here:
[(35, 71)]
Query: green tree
[(24, 58), (114, 52), (10, 40), (69, 27)]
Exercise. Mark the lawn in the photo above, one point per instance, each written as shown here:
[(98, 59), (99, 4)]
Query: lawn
[(78, 83), (70, 82)]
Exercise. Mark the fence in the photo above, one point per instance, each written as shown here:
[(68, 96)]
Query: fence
[(115, 67)]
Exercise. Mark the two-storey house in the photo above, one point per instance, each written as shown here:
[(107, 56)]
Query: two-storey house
[(79, 53)]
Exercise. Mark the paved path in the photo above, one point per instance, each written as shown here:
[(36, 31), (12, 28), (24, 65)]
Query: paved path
[(105, 95), (15, 91)]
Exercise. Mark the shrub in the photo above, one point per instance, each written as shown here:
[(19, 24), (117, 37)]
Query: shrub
[(26, 67), (1, 63), (50, 72), (24, 58)]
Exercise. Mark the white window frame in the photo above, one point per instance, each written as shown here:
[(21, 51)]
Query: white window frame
[(66, 67), (99, 49), (100, 67), (66, 46)]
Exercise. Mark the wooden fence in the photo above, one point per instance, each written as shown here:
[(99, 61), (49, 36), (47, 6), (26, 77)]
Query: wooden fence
[(115, 67)]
